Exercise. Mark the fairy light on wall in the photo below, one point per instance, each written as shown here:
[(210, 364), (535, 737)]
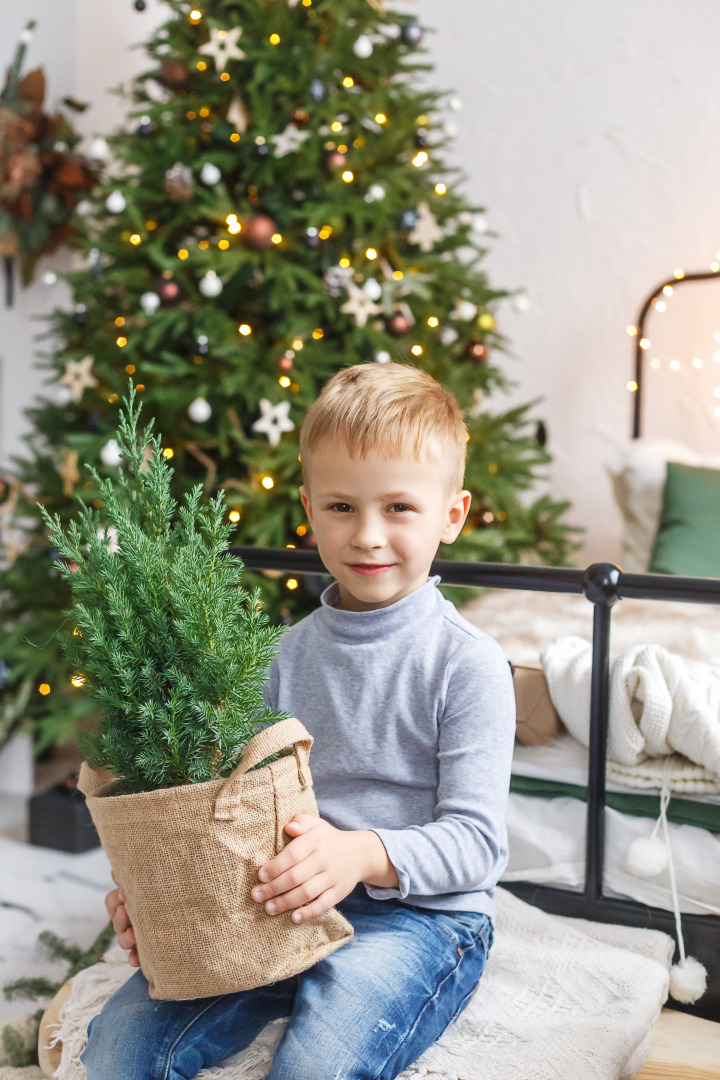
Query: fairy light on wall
[(657, 301)]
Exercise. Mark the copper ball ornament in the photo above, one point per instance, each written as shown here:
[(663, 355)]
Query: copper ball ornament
[(168, 291), (259, 231), (396, 324), (336, 160), (300, 115), (477, 351), (175, 76)]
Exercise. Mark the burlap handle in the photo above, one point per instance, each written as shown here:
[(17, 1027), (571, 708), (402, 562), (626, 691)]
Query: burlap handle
[(267, 742), (270, 741), (91, 781)]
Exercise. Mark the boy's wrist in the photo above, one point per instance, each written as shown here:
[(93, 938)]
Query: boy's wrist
[(376, 866)]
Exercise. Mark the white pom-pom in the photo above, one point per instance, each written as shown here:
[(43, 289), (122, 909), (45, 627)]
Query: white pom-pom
[(688, 980), (647, 856)]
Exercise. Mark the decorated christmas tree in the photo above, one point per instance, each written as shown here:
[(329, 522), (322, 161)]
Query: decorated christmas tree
[(279, 207)]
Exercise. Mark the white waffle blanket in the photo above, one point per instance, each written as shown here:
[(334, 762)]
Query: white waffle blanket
[(558, 995), (661, 705)]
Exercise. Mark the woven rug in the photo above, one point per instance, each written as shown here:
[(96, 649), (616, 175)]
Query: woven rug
[(560, 999)]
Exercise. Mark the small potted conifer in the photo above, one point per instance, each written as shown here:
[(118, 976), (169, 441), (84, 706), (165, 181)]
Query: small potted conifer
[(189, 778)]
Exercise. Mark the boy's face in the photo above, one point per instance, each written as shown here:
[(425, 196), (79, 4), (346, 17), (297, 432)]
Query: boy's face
[(378, 522)]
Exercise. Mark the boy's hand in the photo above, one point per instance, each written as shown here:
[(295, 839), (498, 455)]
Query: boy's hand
[(315, 871), (115, 904)]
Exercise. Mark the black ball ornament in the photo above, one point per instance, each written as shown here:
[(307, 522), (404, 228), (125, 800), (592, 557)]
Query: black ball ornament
[(260, 151), (80, 316), (411, 34), (140, 5), (92, 422), (422, 138), (145, 128)]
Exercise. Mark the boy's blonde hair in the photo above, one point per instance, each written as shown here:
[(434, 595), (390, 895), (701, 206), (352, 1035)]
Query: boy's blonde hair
[(392, 409)]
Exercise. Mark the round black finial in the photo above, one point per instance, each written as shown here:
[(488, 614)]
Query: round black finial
[(600, 583)]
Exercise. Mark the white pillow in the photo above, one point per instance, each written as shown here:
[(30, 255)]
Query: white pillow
[(638, 471)]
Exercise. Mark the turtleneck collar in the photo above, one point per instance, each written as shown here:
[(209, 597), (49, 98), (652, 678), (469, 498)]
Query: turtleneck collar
[(369, 626)]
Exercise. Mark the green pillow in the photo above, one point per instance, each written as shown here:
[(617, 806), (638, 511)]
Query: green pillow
[(687, 542)]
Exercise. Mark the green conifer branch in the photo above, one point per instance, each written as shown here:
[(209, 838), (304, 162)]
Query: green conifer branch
[(167, 639)]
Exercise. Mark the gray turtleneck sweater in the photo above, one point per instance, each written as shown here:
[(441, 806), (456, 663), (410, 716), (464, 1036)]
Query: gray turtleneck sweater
[(413, 715)]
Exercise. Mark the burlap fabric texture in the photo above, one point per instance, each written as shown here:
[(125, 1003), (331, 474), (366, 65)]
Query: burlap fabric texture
[(187, 857)]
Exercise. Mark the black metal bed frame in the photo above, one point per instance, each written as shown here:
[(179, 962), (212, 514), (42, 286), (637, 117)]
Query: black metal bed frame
[(603, 584)]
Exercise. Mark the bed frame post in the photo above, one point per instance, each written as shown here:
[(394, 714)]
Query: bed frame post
[(600, 588)]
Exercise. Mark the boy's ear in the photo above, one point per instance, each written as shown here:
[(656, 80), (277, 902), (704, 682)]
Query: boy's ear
[(305, 496), (456, 517)]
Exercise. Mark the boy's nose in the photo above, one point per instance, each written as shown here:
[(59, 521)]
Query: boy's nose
[(368, 534)]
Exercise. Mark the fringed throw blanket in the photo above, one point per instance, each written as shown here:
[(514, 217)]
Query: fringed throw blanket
[(560, 998)]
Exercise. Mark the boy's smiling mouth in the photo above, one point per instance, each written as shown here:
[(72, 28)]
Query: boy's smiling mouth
[(370, 568)]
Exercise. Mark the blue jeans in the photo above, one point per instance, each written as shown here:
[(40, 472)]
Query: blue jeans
[(365, 1012)]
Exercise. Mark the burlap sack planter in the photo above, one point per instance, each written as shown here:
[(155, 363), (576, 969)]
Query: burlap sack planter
[(186, 859)]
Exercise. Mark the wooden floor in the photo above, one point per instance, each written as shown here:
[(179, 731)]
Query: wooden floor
[(683, 1048)]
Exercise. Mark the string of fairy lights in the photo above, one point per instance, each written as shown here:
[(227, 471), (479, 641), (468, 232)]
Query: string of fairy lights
[(658, 301)]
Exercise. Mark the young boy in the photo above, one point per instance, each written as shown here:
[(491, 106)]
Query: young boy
[(413, 716)]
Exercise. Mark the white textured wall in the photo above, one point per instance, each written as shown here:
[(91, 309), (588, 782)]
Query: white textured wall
[(591, 134)]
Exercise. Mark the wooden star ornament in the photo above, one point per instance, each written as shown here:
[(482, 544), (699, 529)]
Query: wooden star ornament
[(288, 141), (223, 46), (427, 232), (78, 377), (359, 304), (274, 420)]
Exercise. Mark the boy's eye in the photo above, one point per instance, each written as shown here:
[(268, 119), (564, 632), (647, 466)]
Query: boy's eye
[(342, 507), (399, 508)]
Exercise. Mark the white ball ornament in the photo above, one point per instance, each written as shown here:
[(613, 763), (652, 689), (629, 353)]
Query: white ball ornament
[(149, 302), (210, 174), (199, 411), (115, 202), (373, 289), (110, 454), (647, 857), (455, 103), (49, 278), (99, 149), (211, 285), (382, 357), (375, 193), (363, 47)]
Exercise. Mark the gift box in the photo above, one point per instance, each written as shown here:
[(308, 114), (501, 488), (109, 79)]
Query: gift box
[(59, 818)]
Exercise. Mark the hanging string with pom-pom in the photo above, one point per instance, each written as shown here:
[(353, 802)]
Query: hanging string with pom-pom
[(647, 857)]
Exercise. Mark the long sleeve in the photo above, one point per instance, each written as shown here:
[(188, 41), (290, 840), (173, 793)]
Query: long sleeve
[(464, 848)]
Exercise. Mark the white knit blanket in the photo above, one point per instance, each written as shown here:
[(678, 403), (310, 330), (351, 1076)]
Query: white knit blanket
[(661, 706), (559, 998)]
